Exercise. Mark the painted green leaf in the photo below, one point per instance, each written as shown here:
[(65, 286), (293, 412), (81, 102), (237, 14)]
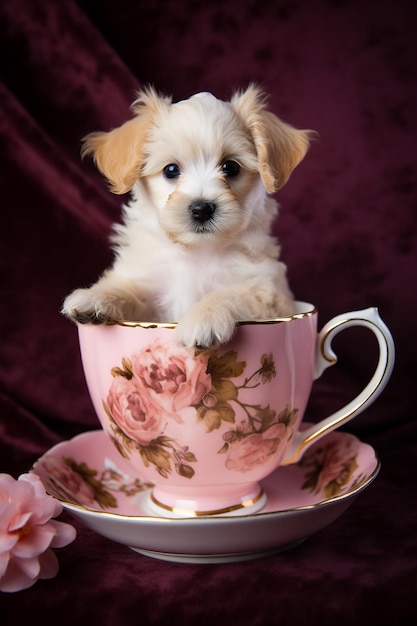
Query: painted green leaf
[(184, 470), (212, 420), (224, 390), (156, 455), (126, 370), (226, 412), (225, 366), (190, 457), (266, 416)]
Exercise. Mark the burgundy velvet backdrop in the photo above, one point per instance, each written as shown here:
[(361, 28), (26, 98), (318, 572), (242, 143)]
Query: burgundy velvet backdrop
[(348, 231)]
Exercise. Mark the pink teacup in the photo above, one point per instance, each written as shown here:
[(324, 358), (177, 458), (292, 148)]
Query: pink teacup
[(206, 426)]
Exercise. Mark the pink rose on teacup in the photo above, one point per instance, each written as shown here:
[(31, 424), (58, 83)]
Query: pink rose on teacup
[(256, 449), (134, 409), (176, 377), (152, 387)]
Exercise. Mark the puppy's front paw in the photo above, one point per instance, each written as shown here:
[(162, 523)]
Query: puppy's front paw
[(82, 306), (205, 328)]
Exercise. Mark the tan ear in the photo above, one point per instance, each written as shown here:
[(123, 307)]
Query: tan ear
[(118, 153), (279, 146)]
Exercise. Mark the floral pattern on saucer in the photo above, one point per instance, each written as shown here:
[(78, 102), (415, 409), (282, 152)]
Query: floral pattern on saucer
[(327, 469), (76, 482), (151, 387), (329, 466), (88, 466)]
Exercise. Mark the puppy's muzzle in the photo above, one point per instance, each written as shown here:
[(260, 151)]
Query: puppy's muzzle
[(202, 211)]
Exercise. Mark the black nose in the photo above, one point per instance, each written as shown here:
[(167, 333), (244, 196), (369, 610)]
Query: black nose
[(202, 211)]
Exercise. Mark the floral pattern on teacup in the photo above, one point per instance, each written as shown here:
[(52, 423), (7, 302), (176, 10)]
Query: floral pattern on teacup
[(253, 444), (331, 465), (76, 482), (154, 385)]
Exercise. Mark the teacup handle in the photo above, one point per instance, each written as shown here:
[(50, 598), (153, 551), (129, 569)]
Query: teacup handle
[(325, 357)]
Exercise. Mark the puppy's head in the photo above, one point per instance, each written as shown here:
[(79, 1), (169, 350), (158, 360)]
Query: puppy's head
[(206, 165)]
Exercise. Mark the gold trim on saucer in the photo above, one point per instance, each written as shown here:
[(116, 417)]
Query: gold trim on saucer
[(190, 513), (352, 492)]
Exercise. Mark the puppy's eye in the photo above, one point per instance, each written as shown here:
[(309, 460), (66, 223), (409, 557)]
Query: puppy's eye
[(171, 171), (230, 168)]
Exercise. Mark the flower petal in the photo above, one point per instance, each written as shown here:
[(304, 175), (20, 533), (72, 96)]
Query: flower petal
[(18, 521), (7, 541), (36, 541), (65, 533), (21, 494), (15, 580), (41, 505), (43, 509), (29, 567), (4, 561), (35, 481), (7, 483)]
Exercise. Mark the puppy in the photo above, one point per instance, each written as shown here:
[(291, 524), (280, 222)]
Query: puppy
[(195, 244)]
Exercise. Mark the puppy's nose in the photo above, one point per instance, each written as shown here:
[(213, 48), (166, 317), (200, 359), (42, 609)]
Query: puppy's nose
[(202, 211)]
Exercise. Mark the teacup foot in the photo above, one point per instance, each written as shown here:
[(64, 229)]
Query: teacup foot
[(182, 508)]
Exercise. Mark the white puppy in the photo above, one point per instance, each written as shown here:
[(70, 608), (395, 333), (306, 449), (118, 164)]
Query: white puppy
[(195, 244)]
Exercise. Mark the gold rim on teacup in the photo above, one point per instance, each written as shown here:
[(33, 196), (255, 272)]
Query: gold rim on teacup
[(310, 310)]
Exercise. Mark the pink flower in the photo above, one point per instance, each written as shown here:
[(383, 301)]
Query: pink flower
[(257, 449), (27, 532), (164, 381), (69, 484), (337, 457), (135, 410), (174, 375)]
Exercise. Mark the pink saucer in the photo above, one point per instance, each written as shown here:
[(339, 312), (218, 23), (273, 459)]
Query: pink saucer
[(100, 488)]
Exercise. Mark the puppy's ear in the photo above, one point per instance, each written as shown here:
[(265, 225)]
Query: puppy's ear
[(279, 146), (118, 153)]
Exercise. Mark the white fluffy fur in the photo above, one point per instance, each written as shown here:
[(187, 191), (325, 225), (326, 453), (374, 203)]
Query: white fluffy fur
[(170, 267)]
